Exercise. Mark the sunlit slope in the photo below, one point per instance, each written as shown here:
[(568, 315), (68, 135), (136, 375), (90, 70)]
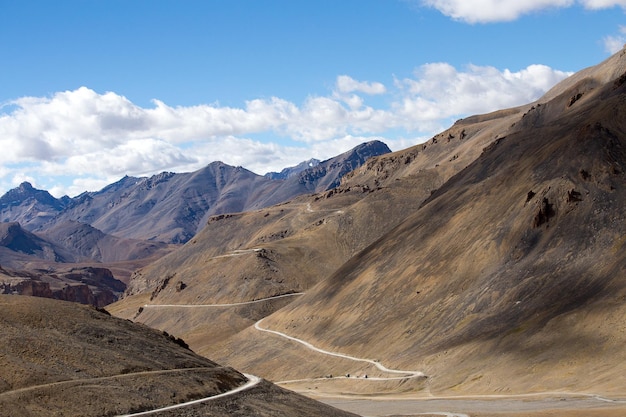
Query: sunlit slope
[(290, 247), (66, 359)]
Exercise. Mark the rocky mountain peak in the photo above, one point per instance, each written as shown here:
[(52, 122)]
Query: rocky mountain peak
[(25, 192), (294, 170)]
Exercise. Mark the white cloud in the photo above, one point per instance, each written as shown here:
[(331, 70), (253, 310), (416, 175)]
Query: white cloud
[(347, 84), (484, 11), (81, 138), (603, 4), (615, 43), (439, 91)]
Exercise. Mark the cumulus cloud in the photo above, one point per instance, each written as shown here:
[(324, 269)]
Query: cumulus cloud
[(603, 4), (439, 91), (484, 11), (615, 43), (347, 84), (95, 138)]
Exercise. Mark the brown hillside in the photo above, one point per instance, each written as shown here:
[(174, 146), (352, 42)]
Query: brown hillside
[(292, 246), (64, 359), (490, 258), (510, 278)]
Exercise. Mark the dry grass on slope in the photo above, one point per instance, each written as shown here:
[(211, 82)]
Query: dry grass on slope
[(62, 358), (65, 359)]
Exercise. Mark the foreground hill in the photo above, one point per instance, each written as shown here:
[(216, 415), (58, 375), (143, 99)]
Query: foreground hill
[(91, 364), (490, 259)]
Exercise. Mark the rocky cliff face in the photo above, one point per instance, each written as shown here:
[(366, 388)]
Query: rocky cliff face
[(88, 285), (328, 174), (79, 293)]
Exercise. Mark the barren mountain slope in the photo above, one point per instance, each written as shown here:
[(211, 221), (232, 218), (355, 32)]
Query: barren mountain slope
[(69, 360), (290, 247), (89, 243), (510, 278), (167, 207), (13, 238)]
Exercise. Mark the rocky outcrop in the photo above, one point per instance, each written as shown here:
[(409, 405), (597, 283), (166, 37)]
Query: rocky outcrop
[(328, 174), (80, 293), (94, 286)]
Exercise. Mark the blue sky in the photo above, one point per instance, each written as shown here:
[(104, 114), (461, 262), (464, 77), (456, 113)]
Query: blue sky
[(93, 90)]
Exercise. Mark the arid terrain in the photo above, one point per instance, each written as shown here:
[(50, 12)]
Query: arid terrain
[(485, 262), (48, 246), (64, 359), (482, 273)]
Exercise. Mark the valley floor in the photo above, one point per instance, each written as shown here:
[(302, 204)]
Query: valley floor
[(514, 406)]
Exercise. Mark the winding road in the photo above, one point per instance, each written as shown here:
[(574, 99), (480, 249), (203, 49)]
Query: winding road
[(539, 401), (252, 381), (380, 366), (71, 382), (261, 300)]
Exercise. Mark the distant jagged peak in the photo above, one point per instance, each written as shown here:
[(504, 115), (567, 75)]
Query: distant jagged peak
[(26, 187), (153, 181), (124, 182), (371, 148), (26, 192), (361, 151), (356, 156), (294, 170)]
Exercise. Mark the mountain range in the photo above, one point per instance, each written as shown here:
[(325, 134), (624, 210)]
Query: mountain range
[(136, 220)]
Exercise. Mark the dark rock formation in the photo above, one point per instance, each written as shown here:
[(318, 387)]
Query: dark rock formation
[(94, 286)]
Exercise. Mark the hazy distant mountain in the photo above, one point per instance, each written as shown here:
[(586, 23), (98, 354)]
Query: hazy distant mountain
[(166, 207), (294, 170), (89, 243), (171, 207), (291, 171), (29, 206), (491, 258), (14, 238)]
